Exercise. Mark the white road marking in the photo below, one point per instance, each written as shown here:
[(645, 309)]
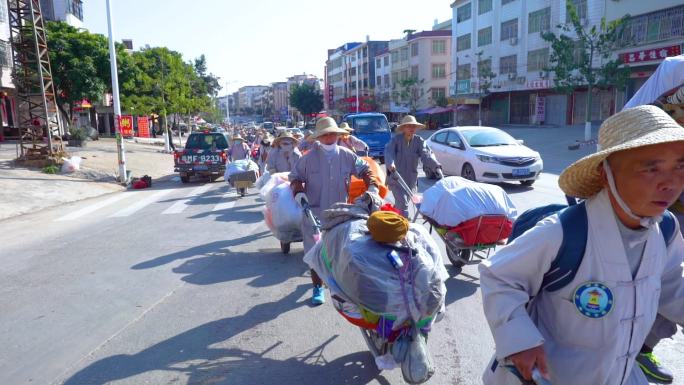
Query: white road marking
[(225, 204), (181, 205), (140, 204), (95, 206)]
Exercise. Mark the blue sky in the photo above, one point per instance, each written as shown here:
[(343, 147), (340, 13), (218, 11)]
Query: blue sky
[(250, 42)]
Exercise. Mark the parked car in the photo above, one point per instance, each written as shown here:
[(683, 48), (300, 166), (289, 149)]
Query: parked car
[(485, 154), (205, 154)]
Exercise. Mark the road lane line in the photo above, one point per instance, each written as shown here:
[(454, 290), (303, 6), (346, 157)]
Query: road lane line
[(140, 204), (225, 205), (181, 205), (94, 207)]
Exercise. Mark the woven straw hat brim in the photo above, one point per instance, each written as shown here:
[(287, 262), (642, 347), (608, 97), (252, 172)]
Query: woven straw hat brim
[(400, 128), (277, 140), (329, 130), (582, 179)]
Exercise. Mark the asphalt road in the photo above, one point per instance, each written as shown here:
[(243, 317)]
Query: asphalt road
[(183, 284)]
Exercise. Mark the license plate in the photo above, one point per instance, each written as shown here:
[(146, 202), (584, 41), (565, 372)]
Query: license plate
[(521, 171), (189, 158), (200, 168)]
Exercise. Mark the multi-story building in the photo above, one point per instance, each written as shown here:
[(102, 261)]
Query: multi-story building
[(7, 89), (420, 70), (248, 94), (297, 80), (280, 101), (69, 11), (504, 36), (383, 86), (336, 78), (360, 75)]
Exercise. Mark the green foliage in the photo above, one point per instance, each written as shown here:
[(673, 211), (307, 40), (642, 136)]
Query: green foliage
[(307, 99), (409, 92), (485, 76), (78, 133), (51, 169)]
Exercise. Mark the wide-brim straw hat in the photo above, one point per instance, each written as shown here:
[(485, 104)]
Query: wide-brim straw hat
[(284, 135), (409, 121), (237, 137), (327, 126), (346, 127), (629, 129)]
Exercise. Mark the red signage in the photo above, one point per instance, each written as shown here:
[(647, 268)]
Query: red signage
[(126, 125), (143, 127), (364, 106), (650, 54)]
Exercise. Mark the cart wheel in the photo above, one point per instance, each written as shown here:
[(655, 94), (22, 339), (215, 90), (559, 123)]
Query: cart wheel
[(459, 258), (376, 344), (285, 247), (241, 191)]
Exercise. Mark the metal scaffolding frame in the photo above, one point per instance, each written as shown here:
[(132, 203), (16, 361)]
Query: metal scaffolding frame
[(37, 107)]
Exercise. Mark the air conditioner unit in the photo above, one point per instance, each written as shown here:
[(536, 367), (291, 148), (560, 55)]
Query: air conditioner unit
[(521, 80), (512, 75), (514, 41)]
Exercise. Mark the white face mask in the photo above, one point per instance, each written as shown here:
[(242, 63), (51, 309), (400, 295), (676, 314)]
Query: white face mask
[(238, 142), (287, 146), (329, 147)]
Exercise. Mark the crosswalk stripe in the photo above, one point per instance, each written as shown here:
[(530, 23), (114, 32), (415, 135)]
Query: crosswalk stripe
[(225, 204), (95, 206), (181, 205), (140, 204)]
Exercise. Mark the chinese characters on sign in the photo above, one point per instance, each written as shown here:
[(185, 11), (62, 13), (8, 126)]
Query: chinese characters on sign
[(143, 127), (126, 125), (540, 109), (651, 54), (538, 84)]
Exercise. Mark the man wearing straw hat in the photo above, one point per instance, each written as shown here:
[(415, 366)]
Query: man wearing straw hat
[(284, 154), (591, 330), (402, 154), (321, 178), (350, 141), (307, 143), (239, 149)]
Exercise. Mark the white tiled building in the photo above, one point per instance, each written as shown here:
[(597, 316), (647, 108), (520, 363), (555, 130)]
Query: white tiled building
[(69, 11), (7, 89)]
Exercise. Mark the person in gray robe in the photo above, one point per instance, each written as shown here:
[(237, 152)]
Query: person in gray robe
[(351, 142), (284, 154), (239, 149)]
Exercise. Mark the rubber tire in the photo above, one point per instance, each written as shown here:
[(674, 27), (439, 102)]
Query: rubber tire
[(242, 192), (467, 168), (185, 178), (454, 257), (527, 183), (285, 247)]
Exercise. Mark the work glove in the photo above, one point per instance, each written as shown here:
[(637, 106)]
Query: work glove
[(391, 168), (302, 199), (439, 174), (370, 200)]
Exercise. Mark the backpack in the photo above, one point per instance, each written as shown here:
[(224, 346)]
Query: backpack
[(575, 225)]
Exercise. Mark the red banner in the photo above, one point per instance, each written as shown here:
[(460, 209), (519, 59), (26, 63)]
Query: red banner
[(650, 54), (143, 127), (126, 125)]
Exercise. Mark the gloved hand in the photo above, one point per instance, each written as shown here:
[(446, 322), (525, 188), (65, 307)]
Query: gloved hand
[(302, 199), (391, 168), (370, 200), (439, 173), (373, 189)]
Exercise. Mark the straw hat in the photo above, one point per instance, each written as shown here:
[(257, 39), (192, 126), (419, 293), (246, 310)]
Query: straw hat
[(238, 137), (284, 135), (409, 121), (629, 129), (345, 126), (327, 126)]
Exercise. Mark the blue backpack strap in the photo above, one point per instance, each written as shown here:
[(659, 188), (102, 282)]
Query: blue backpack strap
[(571, 252), (531, 217), (668, 227)]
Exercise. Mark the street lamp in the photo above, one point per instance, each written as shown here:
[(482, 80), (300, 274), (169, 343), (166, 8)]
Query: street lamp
[(123, 175)]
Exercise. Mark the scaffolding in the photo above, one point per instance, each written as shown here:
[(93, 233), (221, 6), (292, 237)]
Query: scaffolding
[(39, 124)]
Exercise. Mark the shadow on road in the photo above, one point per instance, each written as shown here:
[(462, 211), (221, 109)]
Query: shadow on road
[(197, 353), (459, 287)]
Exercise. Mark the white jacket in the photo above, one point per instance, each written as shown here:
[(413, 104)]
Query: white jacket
[(581, 350)]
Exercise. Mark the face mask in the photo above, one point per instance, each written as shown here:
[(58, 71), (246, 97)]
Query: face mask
[(643, 221), (329, 147), (238, 142), (287, 146)]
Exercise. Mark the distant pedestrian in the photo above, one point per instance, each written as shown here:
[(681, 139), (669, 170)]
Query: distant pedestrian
[(284, 154), (351, 142), (239, 149)]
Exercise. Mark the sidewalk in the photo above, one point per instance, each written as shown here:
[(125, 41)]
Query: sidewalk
[(24, 190)]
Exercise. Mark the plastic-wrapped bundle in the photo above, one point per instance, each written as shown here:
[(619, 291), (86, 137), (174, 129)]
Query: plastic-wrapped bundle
[(356, 268), (282, 214), (273, 180), (240, 166)]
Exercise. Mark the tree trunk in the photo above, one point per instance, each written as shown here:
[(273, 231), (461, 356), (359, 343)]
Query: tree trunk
[(590, 81)]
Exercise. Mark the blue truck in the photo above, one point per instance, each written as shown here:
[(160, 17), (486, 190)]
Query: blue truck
[(372, 128)]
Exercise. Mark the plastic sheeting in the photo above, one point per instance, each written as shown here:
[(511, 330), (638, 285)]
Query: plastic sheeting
[(240, 166), (668, 75), (282, 214), (357, 269), (454, 200)]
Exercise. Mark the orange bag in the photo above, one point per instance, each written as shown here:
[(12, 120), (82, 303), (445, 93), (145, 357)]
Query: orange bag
[(357, 187)]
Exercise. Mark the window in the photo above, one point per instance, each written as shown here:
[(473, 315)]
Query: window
[(484, 36), (403, 75), (365, 68), (484, 6), (508, 64), (395, 57), (463, 42), (539, 20), (538, 59), (438, 93), (414, 49), (440, 137), (378, 81), (438, 47), (454, 138), (580, 8), (439, 71), (484, 67), (386, 80), (3, 11), (464, 13), (504, 2), (463, 71), (75, 7), (509, 29), (395, 78), (414, 72), (5, 53), (403, 54), (661, 25), (386, 61), (378, 63)]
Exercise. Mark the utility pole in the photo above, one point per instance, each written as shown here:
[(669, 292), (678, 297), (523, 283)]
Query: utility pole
[(123, 175), (456, 94), (167, 133), (357, 81)]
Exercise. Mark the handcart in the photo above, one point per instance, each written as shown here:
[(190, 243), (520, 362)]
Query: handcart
[(243, 180)]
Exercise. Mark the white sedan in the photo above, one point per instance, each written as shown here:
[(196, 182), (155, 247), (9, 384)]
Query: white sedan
[(485, 154)]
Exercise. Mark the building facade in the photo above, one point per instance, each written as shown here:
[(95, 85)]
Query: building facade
[(8, 106), (248, 95), (360, 76), (336, 79), (69, 11)]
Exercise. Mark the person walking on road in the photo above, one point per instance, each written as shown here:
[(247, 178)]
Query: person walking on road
[(351, 142), (239, 149), (321, 178), (402, 154), (307, 143), (284, 154), (588, 325)]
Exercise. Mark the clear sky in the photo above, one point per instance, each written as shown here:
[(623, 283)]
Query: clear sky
[(256, 42)]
